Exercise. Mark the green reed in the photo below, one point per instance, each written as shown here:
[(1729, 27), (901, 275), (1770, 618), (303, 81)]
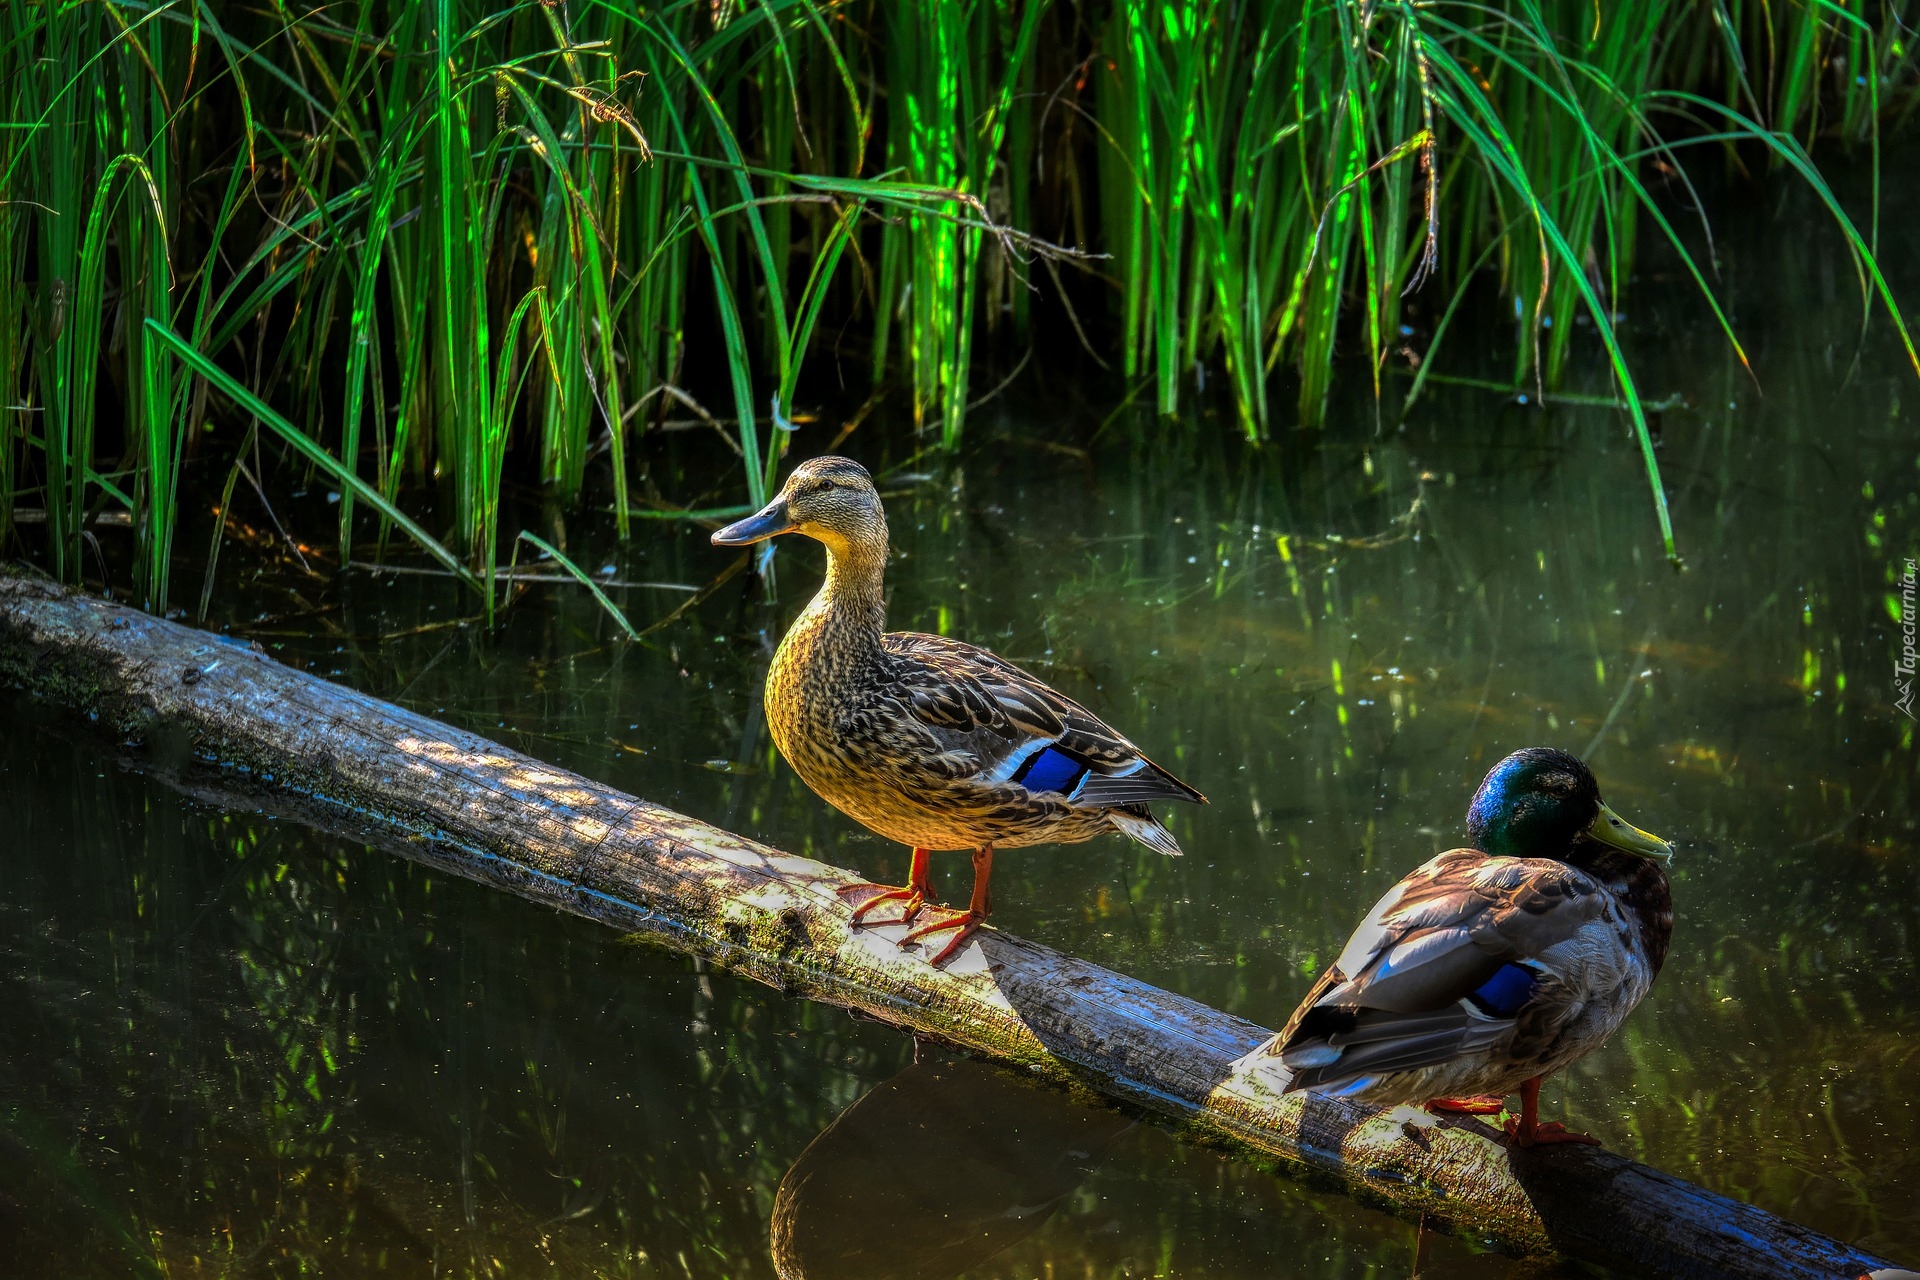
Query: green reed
[(459, 246)]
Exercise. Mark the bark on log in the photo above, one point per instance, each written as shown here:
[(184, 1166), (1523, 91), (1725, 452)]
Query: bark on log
[(474, 808)]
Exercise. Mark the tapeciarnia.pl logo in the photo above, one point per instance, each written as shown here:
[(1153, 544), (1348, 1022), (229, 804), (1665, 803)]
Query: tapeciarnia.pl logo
[(1903, 662)]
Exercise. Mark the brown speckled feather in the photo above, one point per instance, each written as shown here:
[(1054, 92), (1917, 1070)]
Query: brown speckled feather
[(977, 700), (922, 738), (1394, 1019)]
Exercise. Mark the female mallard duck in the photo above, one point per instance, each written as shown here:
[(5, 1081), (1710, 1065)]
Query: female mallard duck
[(1492, 967), (925, 740)]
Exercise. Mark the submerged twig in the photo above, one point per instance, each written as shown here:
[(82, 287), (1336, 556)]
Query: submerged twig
[(513, 575), (693, 601)]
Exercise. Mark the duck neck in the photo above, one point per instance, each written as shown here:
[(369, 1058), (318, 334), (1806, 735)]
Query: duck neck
[(1641, 886), (850, 611)]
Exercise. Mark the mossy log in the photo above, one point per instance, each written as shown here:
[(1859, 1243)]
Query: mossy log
[(468, 806)]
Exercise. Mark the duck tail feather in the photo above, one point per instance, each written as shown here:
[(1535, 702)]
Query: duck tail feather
[(1147, 830), (1135, 788)]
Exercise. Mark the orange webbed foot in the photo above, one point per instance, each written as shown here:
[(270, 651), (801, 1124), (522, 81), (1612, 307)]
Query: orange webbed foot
[(1550, 1134), (964, 923), (1484, 1104), (1526, 1130), (912, 901)]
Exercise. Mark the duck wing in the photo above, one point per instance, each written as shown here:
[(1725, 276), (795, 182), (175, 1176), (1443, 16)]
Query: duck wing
[(1016, 729), (1467, 953)]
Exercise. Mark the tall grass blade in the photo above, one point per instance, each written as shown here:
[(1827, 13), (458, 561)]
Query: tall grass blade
[(585, 580), (309, 449)]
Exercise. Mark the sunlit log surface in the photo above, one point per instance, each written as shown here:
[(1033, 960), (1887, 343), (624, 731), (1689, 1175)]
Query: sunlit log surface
[(474, 808)]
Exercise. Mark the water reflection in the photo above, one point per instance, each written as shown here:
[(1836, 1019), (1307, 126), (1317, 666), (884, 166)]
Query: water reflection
[(222, 1037), (235, 1046), (933, 1172)]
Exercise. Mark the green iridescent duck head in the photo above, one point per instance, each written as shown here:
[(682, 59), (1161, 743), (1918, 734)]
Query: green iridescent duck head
[(830, 500), (1539, 802)]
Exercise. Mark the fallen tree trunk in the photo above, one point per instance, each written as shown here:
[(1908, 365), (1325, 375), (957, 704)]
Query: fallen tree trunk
[(474, 808)]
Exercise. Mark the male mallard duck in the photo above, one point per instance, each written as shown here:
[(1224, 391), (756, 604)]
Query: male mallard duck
[(1492, 967), (925, 740)]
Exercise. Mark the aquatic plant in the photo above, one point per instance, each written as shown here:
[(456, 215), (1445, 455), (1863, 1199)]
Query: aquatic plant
[(460, 246)]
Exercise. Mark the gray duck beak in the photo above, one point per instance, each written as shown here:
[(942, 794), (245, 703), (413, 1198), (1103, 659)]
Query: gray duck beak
[(770, 521)]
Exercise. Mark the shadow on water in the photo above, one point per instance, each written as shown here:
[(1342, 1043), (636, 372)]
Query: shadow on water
[(237, 1046), (953, 1167), (933, 1172)]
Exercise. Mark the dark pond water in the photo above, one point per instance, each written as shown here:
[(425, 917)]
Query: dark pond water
[(232, 1046)]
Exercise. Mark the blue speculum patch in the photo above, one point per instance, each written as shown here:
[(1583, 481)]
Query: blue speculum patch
[(1506, 991), (1051, 770)]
